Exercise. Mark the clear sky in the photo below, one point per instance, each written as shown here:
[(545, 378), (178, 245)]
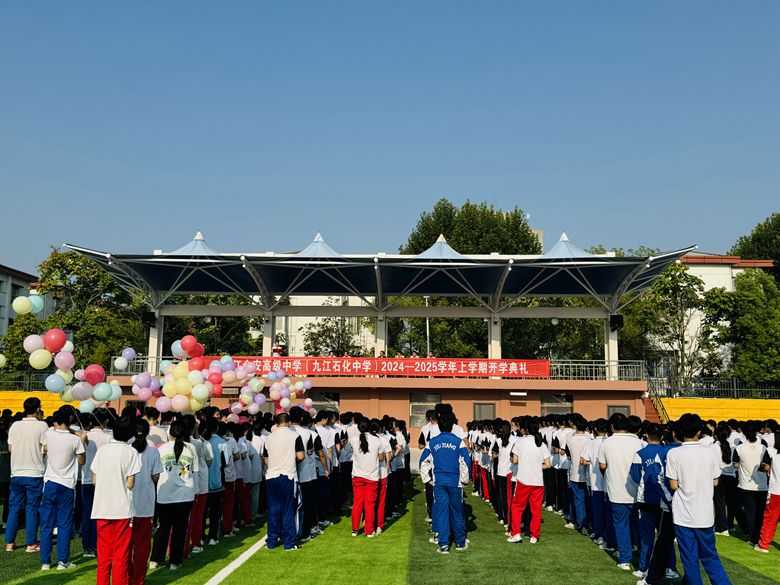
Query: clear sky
[(128, 126)]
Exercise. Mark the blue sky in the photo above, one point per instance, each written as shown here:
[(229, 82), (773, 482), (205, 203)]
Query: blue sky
[(129, 126)]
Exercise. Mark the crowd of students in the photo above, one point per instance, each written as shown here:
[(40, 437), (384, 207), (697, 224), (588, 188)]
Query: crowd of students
[(624, 483), (144, 489)]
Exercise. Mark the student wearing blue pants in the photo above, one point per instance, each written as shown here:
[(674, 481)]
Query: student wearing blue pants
[(576, 446), (693, 471), (283, 449), (645, 471), (445, 463)]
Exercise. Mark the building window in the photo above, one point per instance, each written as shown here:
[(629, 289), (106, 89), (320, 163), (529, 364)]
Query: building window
[(484, 410), (613, 408), (419, 403), (556, 404), (325, 400)]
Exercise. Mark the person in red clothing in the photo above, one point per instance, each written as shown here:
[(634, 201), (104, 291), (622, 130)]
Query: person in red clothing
[(367, 451), (771, 464), (113, 474), (532, 457)]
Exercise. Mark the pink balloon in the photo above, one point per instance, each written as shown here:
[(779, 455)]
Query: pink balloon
[(250, 367), (144, 394), (79, 375), (253, 409), (233, 418), (308, 402), (163, 404), (180, 403), (236, 407), (32, 342), (64, 360), (156, 393), (94, 374)]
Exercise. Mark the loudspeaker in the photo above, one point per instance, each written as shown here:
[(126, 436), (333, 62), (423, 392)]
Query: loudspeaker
[(615, 322)]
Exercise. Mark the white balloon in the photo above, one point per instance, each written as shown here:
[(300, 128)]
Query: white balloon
[(68, 346)]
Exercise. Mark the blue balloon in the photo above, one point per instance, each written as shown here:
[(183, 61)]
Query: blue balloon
[(226, 358), (37, 303), (55, 383), (102, 391), (164, 364), (86, 406), (271, 376), (176, 348), (215, 363)]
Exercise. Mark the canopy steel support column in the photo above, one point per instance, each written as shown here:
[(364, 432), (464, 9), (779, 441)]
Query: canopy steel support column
[(380, 345), (155, 343), (494, 337), (610, 351), (269, 334)]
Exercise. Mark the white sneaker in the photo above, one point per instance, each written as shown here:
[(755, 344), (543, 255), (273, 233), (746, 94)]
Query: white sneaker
[(641, 574), (568, 525), (174, 567), (515, 538), (672, 574), (197, 549), (599, 541), (378, 531), (642, 582), (45, 567), (724, 533), (550, 508), (372, 535), (433, 540), (534, 540), (605, 546), (152, 565), (624, 566), (65, 566), (759, 549), (213, 542)]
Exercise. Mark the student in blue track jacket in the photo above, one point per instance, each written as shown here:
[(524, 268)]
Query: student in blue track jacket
[(445, 463)]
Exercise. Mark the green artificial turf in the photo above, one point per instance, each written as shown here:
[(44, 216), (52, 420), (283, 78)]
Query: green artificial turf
[(403, 555)]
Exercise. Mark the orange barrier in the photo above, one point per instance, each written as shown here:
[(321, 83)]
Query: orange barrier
[(723, 408)]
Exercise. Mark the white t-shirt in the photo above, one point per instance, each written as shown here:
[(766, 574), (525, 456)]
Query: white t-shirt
[(205, 453), (335, 439), (617, 452), (62, 450), (328, 446), (158, 434), (366, 465), (457, 430), (694, 467), (280, 449), (25, 437), (255, 463), (386, 448), (243, 464), (96, 438), (530, 460), (177, 481), (749, 476), (144, 490), (398, 462), (772, 458), (590, 452), (258, 443), (307, 469), (725, 468), (504, 467), (576, 444), (232, 449), (113, 464)]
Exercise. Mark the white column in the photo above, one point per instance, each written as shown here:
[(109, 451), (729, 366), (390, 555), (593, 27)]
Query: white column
[(380, 344), (154, 351), (494, 337), (269, 333), (610, 351)]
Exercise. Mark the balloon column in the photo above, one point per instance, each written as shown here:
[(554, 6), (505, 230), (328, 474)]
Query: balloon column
[(281, 392)]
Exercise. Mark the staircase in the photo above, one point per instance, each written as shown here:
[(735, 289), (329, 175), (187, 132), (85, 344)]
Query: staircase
[(651, 413)]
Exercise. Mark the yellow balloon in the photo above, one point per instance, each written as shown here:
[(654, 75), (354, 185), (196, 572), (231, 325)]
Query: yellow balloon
[(180, 372), (114, 381), (183, 386), (195, 405), (66, 375), (169, 390), (22, 305), (67, 394), (40, 359)]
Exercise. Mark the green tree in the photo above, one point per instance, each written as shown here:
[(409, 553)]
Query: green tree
[(747, 321), (763, 243), (333, 334), (102, 317)]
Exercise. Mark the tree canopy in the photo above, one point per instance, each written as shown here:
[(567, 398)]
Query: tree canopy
[(763, 243)]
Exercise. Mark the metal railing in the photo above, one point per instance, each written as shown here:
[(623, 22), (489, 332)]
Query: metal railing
[(24, 381), (711, 388)]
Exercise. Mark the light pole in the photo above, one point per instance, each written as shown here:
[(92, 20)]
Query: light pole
[(427, 331)]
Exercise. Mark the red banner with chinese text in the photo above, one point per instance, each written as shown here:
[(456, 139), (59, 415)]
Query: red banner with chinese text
[(402, 367)]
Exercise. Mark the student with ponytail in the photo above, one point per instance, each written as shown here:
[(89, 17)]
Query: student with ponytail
[(176, 491), (752, 482), (532, 457), (367, 450), (193, 540), (771, 464), (216, 477), (725, 500), (144, 498)]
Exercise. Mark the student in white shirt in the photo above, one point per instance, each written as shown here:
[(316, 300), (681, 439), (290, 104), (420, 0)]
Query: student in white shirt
[(367, 450), (725, 500), (771, 464), (693, 471), (113, 474), (283, 448), (258, 491), (378, 429), (95, 439), (578, 474), (615, 458), (396, 478), (532, 457), (300, 422), (194, 539), (176, 491), (602, 520), (27, 469), (752, 483), (243, 470), (64, 453), (502, 449), (144, 499)]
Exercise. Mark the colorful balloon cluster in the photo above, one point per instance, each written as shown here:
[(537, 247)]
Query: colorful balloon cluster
[(30, 304), (281, 392), (92, 389)]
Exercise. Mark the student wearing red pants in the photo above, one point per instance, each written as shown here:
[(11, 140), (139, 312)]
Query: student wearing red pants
[(771, 464), (193, 543), (113, 474), (367, 451), (144, 498), (532, 457), (384, 466)]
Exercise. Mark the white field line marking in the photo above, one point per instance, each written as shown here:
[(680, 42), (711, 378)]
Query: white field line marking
[(244, 557)]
